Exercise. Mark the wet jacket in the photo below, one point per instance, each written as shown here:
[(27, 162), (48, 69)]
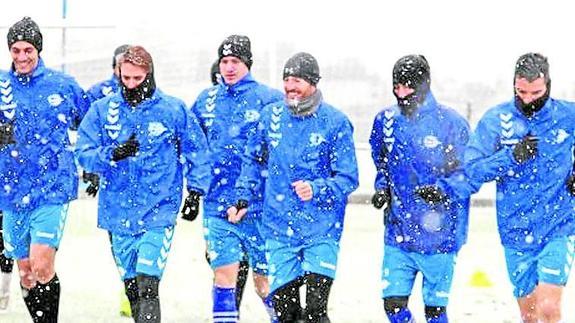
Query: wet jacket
[(104, 88), (39, 169), (319, 149), (409, 152), (533, 203), (225, 113), (144, 191)]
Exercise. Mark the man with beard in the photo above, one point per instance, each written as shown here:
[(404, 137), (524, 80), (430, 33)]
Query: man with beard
[(39, 176), (303, 152), (526, 146), (414, 144), (141, 141)]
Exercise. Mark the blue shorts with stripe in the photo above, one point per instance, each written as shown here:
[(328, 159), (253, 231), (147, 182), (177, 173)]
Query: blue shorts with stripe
[(43, 225), (550, 264), (143, 253)]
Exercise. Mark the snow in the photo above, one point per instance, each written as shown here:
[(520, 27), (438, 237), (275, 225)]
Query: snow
[(91, 286)]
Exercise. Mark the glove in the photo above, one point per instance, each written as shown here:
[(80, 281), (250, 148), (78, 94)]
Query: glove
[(94, 181), (241, 204), (7, 134), (127, 149), (571, 184), (431, 194), (191, 206), (525, 149), (380, 198)]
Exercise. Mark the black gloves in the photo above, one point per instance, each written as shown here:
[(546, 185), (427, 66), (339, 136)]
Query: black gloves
[(127, 149), (191, 206), (241, 204), (525, 149), (571, 184), (94, 181), (381, 198), (7, 134), (431, 194)]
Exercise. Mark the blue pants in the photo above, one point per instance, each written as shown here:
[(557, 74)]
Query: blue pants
[(143, 253), (401, 267), (43, 225)]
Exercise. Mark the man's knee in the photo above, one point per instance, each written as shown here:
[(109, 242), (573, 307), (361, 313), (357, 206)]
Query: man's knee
[(394, 304)]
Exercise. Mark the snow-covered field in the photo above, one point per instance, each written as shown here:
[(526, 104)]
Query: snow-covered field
[(91, 286)]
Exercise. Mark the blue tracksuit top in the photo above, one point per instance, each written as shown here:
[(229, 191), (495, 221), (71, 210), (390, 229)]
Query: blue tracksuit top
[(104, 88), (39, 169), (225, 113), (319, 149), (533, 203), (144, 191), (420, 150)]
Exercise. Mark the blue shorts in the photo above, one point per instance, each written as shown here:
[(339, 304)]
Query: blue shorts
[(551, 265), (401, 267), (143, 253), (288, 262), (229, 243), (44, 225)]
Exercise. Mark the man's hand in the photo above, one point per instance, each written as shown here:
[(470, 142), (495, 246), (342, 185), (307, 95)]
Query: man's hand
[(191, 207), (7, 134), (431, 194), (525, 149), (303, 190), (127, 149), (94, 181), (237, 212), (381, 198)]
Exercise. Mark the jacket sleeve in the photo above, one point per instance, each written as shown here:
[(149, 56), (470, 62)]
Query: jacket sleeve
[(485, 160), (194, 149), (91, 155), (378, 154), (254, 161), (81, 105), (344, 174)]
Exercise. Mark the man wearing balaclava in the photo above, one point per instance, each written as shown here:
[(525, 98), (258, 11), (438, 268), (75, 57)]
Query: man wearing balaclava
[(142, 142), (526, 145), (39, 106), (225, 110), (414, 144), (303, 152)]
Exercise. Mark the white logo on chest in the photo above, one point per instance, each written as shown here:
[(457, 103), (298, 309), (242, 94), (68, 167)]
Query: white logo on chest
[(55, 99), (155, 129), (315, 139), (431, 141)]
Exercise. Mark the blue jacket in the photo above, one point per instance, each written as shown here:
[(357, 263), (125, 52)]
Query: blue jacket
[(533, 203), (104, 88), (39, 169), (145, 191), (318, 149), (225, 113), (415, 151)]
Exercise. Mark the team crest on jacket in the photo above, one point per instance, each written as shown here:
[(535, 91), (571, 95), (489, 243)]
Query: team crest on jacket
[(315, 139), (431, 142), (251, 115), (155, 129), (55, 99), (561, 136)]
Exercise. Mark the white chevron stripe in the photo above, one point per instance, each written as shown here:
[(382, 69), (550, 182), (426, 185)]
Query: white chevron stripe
[(213, 92), (210, 107), (10, 114), (161, 264), (113, 134), (506, 125), (389, 147), (113, 119), (388, 132), (505, 116), (275, 127), (114, 105), (5, 84), (274, 143), (389, 114), (277, 110), (276, 119), (163, 253), (7, 99), (507, 134), (113, 112), (6, 91), (509, 141)]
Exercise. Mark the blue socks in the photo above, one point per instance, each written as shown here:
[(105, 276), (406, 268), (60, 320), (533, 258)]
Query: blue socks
[(403, 316), (225, 309)]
